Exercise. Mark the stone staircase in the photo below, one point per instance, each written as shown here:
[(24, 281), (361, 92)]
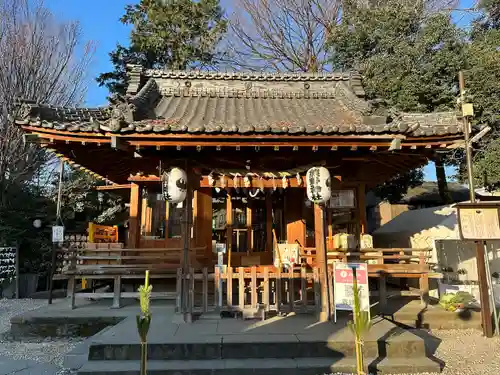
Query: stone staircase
[(203, 349)]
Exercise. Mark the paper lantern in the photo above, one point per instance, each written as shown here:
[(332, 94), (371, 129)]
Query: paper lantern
[(175, 185), (318, 185)]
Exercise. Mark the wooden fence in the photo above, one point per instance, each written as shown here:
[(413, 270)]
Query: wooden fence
[(244, 288), (297, 290)]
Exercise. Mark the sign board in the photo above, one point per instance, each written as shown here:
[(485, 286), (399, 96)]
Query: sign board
[(343, 290), (342, 199), (286, 254), (220, 248), (479, 221), (57, 234)]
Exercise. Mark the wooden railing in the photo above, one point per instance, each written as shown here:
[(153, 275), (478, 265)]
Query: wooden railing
[(114, 255), (102, 233), (247, 288), (298, 290), (371, 256)]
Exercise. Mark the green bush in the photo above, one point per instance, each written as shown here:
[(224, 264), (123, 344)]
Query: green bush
[(454, 301)]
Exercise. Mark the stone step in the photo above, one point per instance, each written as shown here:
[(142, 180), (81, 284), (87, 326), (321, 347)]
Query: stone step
[(275, 366), (404, 344)]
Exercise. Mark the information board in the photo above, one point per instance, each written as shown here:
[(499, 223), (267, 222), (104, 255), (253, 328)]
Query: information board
[(479, 223), (343, 286), (342, 199), (57, 234)]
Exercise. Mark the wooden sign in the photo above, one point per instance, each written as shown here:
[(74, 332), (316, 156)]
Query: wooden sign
[(479, 221), (286, 254), (342, 199)]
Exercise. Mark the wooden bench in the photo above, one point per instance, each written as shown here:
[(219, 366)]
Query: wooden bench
[(115, 263)]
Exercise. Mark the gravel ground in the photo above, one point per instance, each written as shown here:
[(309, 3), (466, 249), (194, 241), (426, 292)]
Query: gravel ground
[(465, 352), (40, 350)]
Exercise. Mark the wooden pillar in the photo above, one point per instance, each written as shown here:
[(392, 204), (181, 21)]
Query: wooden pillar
[(203, 220), (295, 223), (229, 228), (167, 216), (134, 230), (269, 222), (193, 233), (321, 261), (361, 203), (249, 228)]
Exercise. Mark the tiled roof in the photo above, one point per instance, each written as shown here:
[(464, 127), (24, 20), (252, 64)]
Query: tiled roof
[(201, 102)]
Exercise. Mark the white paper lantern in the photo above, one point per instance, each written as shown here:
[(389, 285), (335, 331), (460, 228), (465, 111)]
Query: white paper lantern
[(318, 185), (175, 185)]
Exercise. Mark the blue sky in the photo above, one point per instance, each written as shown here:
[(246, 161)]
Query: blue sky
[(100, 23)]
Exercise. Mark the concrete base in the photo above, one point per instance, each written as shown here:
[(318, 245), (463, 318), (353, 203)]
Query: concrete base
[(300, 366), (290, 344)]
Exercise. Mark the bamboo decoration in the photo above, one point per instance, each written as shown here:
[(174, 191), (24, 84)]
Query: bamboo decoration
[(144, 321), (360, 325)]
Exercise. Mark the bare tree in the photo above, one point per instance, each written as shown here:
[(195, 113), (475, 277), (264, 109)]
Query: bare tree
[(41, 59), (282, 35), (292, 35)]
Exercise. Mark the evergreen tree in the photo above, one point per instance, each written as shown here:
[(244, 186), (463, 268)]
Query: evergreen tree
[(409, 55), (482, 82), (173, 34)]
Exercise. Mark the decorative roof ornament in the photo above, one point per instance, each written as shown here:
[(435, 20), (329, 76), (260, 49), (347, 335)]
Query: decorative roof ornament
[(122, 115)]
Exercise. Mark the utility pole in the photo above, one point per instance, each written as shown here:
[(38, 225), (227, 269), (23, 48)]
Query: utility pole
[(480, 253)]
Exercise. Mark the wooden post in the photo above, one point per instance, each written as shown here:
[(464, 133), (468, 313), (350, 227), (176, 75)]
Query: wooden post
[(205, 289), (229, 283), (178, 290), (319, 236), (189, 318), (186, 234), (480, 253), (265, 296), (483, 290), (317, 292), (303, 286), (382, 296), (361, 193), (269, 222), (254, 287), (117, 293), (203, 221), (72, 291), (295, 223), (241, 288), (91, 232), (249, 228), (229, 229), (134, 230), (278, 290), (217, 288)]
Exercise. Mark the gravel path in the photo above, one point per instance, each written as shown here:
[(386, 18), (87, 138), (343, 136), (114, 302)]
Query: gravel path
[(43, 351), (465, 352)]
